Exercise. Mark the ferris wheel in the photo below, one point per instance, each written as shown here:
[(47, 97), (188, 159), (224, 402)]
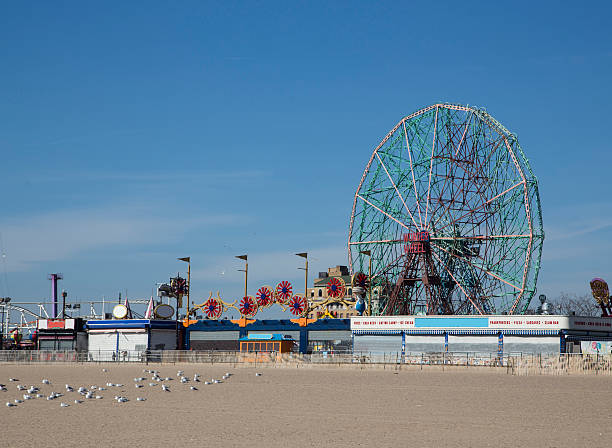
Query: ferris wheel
[(449, 210)]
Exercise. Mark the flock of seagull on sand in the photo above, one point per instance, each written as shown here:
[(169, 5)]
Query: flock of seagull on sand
[(93, 391)]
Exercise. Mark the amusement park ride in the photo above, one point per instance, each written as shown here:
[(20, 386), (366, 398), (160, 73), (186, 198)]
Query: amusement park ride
[(446, 219), (449, 211)]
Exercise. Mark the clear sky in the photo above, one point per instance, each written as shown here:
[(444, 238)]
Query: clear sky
[(133, 133)]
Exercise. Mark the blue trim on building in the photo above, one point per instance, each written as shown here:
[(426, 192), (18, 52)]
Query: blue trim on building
[(266, 338), (130, 323)]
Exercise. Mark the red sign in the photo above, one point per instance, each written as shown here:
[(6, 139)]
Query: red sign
[(415, 242), (60, 323)]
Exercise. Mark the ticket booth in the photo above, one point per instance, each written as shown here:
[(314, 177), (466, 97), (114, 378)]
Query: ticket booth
[(266, 343)]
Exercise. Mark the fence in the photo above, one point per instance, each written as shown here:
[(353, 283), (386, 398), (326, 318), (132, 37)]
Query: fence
[(515, 364)]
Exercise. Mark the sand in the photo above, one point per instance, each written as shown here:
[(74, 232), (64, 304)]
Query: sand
[(289, 407)]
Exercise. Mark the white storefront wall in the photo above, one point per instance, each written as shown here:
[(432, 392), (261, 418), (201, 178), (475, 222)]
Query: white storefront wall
[(469, 343), (101, 344)]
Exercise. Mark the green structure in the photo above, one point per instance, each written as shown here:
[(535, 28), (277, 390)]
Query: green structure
[(449, 210)]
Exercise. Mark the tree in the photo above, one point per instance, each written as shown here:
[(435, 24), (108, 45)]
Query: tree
[(581, 305)]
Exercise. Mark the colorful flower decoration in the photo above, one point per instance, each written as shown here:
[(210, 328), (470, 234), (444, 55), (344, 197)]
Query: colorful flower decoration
[(248, 306), (265, 296), (298, 305), (361, 280), (336, 288), (213, 308), (284, 292)]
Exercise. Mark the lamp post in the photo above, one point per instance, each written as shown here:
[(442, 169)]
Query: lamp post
[(188, 261), (245, 270), (304, 255), (368, 253)]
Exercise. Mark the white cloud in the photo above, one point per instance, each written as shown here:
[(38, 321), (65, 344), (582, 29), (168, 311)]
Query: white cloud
[(63, 234)]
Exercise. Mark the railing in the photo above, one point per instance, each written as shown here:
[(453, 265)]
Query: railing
[(515, 363)]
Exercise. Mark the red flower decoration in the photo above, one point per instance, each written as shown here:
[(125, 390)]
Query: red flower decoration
[(265, 296), (298, 305), (336, 288), (248, 306), (361, 280), (284, 291), (213, 308)]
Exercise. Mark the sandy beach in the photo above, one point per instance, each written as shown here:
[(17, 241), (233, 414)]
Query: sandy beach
[(289, 407)]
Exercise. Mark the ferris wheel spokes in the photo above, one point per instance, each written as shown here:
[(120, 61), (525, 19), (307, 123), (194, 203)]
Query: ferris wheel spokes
[(458, 284), (383, 212), (398, 193), (416, 196), (433, 147), (472, 211), (486, 271)]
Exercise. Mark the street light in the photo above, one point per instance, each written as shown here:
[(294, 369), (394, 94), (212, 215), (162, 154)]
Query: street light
[(304, 255), (245, 270), (368, 254)]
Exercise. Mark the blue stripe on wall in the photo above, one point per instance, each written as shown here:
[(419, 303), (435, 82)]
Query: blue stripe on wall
[(450, 322)]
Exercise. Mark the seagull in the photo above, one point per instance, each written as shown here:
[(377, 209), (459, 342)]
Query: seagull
[(77, 401), (196, 378), (140, 399), (39, 395), (11, 405), (46, 382), (206, 382), (165, 388), (184, 380), (138, 385), (27, 397), (168, 378), (13, 380), (152, 384), (105, 370), (193, 388), (218, 381), (18, 401), (99, 397), (121, 400), (69, 389), (64, 405), (3, 387), (258, 374), (101, 388), (20, 387)]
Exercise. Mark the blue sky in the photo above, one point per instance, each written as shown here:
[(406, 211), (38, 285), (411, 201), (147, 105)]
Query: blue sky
[(132, 134)]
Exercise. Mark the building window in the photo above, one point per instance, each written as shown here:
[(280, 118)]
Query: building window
[(320, 292), (350, 291)]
